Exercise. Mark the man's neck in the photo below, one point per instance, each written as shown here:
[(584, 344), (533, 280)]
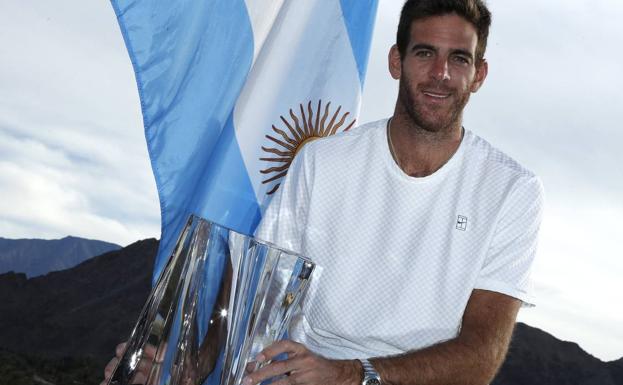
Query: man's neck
[(419, 152)]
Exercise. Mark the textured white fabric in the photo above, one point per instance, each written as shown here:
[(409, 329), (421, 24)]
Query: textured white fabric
[(401, 255)]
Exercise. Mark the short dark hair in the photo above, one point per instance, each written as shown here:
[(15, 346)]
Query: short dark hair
[(474, 11)]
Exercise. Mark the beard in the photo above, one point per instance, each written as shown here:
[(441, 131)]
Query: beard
[(432, 118)]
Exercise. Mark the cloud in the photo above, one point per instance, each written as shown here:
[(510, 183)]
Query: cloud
[(73, 158), (595, 331), (380, 90), (57, 192), (577, 277), (550, 98)]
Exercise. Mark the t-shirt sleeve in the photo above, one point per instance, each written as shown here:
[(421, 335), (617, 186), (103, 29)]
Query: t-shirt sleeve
[(284, 220), (508, 263)]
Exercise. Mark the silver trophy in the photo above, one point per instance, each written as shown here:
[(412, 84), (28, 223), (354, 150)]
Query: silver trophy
[(221, 299)]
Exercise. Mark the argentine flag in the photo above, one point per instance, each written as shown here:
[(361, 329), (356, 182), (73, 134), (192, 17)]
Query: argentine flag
[(230, 90)]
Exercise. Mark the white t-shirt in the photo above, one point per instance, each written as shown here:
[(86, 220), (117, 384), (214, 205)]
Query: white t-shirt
[(400, 255)]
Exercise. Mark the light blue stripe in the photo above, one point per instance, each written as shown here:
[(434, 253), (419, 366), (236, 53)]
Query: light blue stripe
[(227, 196), (191, 59), (359, 16)]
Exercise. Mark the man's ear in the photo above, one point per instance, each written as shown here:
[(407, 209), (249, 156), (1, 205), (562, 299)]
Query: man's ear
[(394, 62), (482, 69)]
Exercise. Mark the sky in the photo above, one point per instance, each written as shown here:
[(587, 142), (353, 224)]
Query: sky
[(73, 159)]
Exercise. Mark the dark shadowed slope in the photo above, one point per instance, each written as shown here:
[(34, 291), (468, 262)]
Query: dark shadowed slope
[(536, 357), (83, 311)]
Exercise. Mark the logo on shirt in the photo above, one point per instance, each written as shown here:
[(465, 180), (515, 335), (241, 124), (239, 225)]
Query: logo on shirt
[(300, 130), (461, 223)]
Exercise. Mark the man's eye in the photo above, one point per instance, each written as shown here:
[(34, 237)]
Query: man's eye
[(461, 59), (423, 54)]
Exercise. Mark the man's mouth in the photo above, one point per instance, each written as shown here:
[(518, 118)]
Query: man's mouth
[(436, 95)]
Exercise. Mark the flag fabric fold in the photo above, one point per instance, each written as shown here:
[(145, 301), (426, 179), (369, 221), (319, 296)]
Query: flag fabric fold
[(230, 90)]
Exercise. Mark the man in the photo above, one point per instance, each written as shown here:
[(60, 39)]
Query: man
[(425, 233)]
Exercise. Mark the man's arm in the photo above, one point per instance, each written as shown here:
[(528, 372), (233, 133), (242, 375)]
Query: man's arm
[(473, 357)]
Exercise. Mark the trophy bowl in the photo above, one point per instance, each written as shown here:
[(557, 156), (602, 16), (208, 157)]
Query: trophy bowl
[(221, 299)]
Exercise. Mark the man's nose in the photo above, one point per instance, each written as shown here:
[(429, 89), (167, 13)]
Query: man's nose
[(440, 70)]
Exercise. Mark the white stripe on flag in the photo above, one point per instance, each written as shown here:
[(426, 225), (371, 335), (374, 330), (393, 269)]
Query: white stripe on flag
[(262, 15), (306, 57)]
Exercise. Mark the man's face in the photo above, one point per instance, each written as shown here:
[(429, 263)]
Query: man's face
[(438, 71)]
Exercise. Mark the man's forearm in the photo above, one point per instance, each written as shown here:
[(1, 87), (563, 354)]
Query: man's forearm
[(451, 362), (472, 358)]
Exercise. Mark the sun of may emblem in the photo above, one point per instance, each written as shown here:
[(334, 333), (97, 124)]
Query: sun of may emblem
[(297, 132)]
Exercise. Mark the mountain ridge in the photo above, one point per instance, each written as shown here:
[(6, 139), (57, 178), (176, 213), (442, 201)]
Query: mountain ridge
[(81, 313), (35, 256)]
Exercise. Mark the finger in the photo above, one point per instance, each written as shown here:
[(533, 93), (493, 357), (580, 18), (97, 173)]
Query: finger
[(161, 351), (150, 351), (112, 364), (274, 369), (251, 367), (140, 378), (144, 366), (120, 349), (286, 380), (280, 347)]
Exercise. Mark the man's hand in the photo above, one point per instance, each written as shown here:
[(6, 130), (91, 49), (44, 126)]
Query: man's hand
[(112, 364), (144, 365), (303, 367)]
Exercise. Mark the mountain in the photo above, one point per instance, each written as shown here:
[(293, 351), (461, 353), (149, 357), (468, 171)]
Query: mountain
[(537, 357), (39, 256), (80, 312), (62, 328)]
